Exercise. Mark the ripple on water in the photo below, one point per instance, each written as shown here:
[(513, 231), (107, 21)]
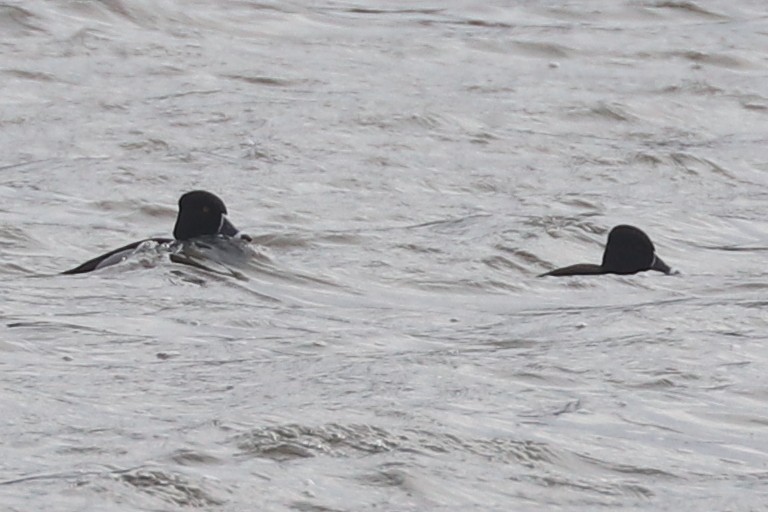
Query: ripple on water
[(171, 488), (293, 441), (17, 21)]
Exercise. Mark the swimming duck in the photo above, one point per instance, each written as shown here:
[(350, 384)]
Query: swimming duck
[(628, 251), (201, 214)]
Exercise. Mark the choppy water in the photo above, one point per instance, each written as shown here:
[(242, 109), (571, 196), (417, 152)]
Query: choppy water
[(407, 169)]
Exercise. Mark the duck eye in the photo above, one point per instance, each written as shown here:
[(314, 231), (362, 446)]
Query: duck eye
[(206, 209)]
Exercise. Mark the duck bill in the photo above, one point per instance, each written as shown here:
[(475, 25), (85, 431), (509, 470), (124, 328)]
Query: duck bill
[(227, 228), (658, 264)]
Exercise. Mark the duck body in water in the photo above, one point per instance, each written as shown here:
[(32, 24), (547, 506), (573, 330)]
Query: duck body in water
[(628, 251), (202, 215)]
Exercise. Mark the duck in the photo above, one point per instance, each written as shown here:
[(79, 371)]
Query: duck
[(628, 251), (201, 214)]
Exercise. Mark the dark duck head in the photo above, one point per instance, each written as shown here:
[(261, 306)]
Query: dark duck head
[(628, 251), (202, 213)]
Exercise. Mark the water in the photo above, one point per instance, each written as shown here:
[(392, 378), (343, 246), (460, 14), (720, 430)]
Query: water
[(407, 170)]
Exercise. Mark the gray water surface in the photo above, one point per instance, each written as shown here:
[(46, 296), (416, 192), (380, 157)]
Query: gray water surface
[(407, 169)]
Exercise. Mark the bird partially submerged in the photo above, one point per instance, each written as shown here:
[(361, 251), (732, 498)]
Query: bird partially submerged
[(201, 214), (628, 251)]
